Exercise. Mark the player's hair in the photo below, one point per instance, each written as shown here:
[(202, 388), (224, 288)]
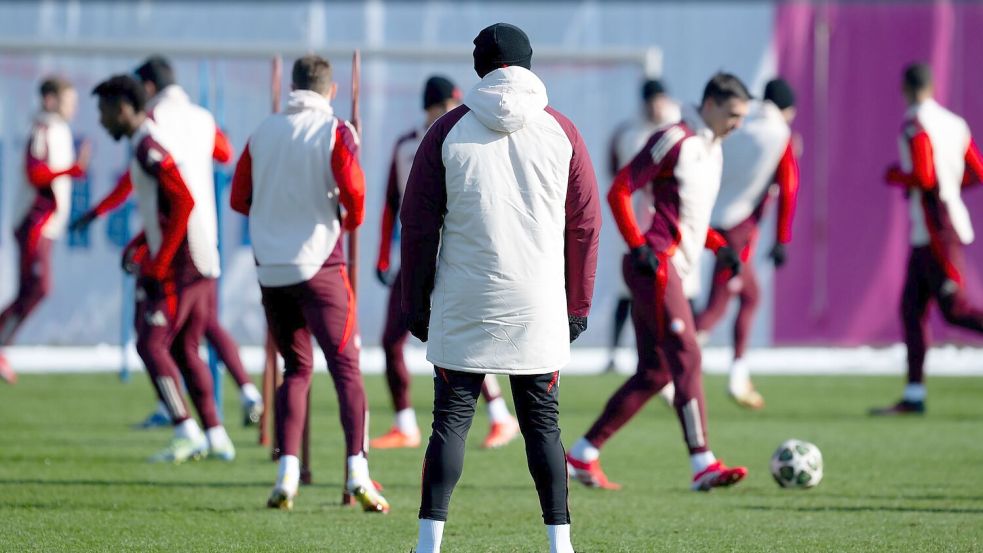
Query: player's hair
[(121, 88), (724, 86), (157, 70), (917, 77), (54, 85), (313, 73)]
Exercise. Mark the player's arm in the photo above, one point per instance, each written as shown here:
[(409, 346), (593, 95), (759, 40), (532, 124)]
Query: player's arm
[(787, 178), (922, 174), (974, 165), (389, 212), (582, 231), (241, 197), (39, 172), (116, 197), (422, 218), (175, 225), (135, 254), (725, 254), (349, 176), (222, 152)]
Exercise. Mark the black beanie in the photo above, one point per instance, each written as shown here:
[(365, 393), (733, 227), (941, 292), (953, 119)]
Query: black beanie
[(652, 88), (437, 90), (499, 45), (778, 92)]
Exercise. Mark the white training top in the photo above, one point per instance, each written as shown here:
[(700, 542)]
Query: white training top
[(50, 142)]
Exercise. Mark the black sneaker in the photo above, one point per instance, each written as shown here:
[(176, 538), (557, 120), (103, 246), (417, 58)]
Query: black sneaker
[(903, 407)]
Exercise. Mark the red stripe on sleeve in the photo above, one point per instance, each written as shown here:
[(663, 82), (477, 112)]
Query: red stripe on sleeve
[(241, 197), (787, 177), (175, 225), (119, 194), (974, 165), (348, 176), (389, 216)]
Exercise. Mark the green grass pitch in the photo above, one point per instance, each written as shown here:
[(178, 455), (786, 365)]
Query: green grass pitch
[(73, 476)]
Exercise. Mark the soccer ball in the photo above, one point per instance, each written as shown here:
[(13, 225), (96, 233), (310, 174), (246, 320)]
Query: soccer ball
[(797, 464)]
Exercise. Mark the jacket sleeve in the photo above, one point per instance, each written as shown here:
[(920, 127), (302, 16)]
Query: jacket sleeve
[(714, 240), (241, 197), (422, 218), (39, 173), (177, 196), (657, 158), (974, 165), (389, 212), (583, 223), (787, 177), (348, 175), (922, 161), (222, 152), (116, 197)]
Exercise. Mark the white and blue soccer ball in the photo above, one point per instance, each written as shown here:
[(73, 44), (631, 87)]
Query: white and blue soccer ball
[(797, 464)]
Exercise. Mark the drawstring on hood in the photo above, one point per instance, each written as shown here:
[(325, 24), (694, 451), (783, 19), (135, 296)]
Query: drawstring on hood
[(506, 98)]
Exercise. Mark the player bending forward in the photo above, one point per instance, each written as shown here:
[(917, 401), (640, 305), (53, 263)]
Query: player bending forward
[(500, 231), (683, 163), (938, 159), (439, 96), (45, 203), (299, 168), (172, 291), (757, 155)]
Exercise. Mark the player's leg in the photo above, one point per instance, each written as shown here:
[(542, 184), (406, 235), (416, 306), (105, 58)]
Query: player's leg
[(504, 428), (951, 297), (537, 405), (329, 309), (455, 397), (406, 432), (720, 296), (649, 378), (739, 386), (915, 300), (156, 312), (681, 353), (193, 315), (293, 341), (34, 284), (622, 310), (228, 353)]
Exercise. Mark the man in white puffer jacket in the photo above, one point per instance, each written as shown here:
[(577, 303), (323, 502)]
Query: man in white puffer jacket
[(501, 220)]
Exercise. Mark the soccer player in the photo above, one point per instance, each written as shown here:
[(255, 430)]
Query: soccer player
[(500, 230), (172, 291), (44, 204), (938, 158), (757, 156), (658, 110), (198, 142), (683, 163), (299, 168), (439, 96)]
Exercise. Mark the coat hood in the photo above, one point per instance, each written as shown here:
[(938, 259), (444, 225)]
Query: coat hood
[(300, 100), (505, 99)]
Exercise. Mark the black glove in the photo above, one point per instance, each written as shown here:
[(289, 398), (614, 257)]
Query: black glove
[(644, 260), (419, 326), (777, 254), (127, 263), (383, 277), (577, 326), (83, 222), (728, 259)]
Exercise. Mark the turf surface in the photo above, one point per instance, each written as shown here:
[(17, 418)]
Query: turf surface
[(73, 476)]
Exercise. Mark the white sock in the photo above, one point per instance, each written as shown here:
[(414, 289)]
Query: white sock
[(498, 410), (559, 535), (217, 437), (700, 461), (914, 392), (431, 533), (250, 393), (740, 375), (162, 409), (288, 474), (188, 429), (406, 422), (584, 451), (358, 471)]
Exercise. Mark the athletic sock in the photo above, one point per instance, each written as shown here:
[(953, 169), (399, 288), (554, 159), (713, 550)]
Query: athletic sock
[(288, 474), (406, 422), (188, 429), (559, 536), (583, 450), (498, 411), (700, 461), (249, 393), (431, 533), (358, 471), (217, 437), (162, 410), (740, 375), (914, 392)]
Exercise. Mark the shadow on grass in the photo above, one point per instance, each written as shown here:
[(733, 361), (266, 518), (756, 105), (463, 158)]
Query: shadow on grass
[(138, 483), (867, 509)]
